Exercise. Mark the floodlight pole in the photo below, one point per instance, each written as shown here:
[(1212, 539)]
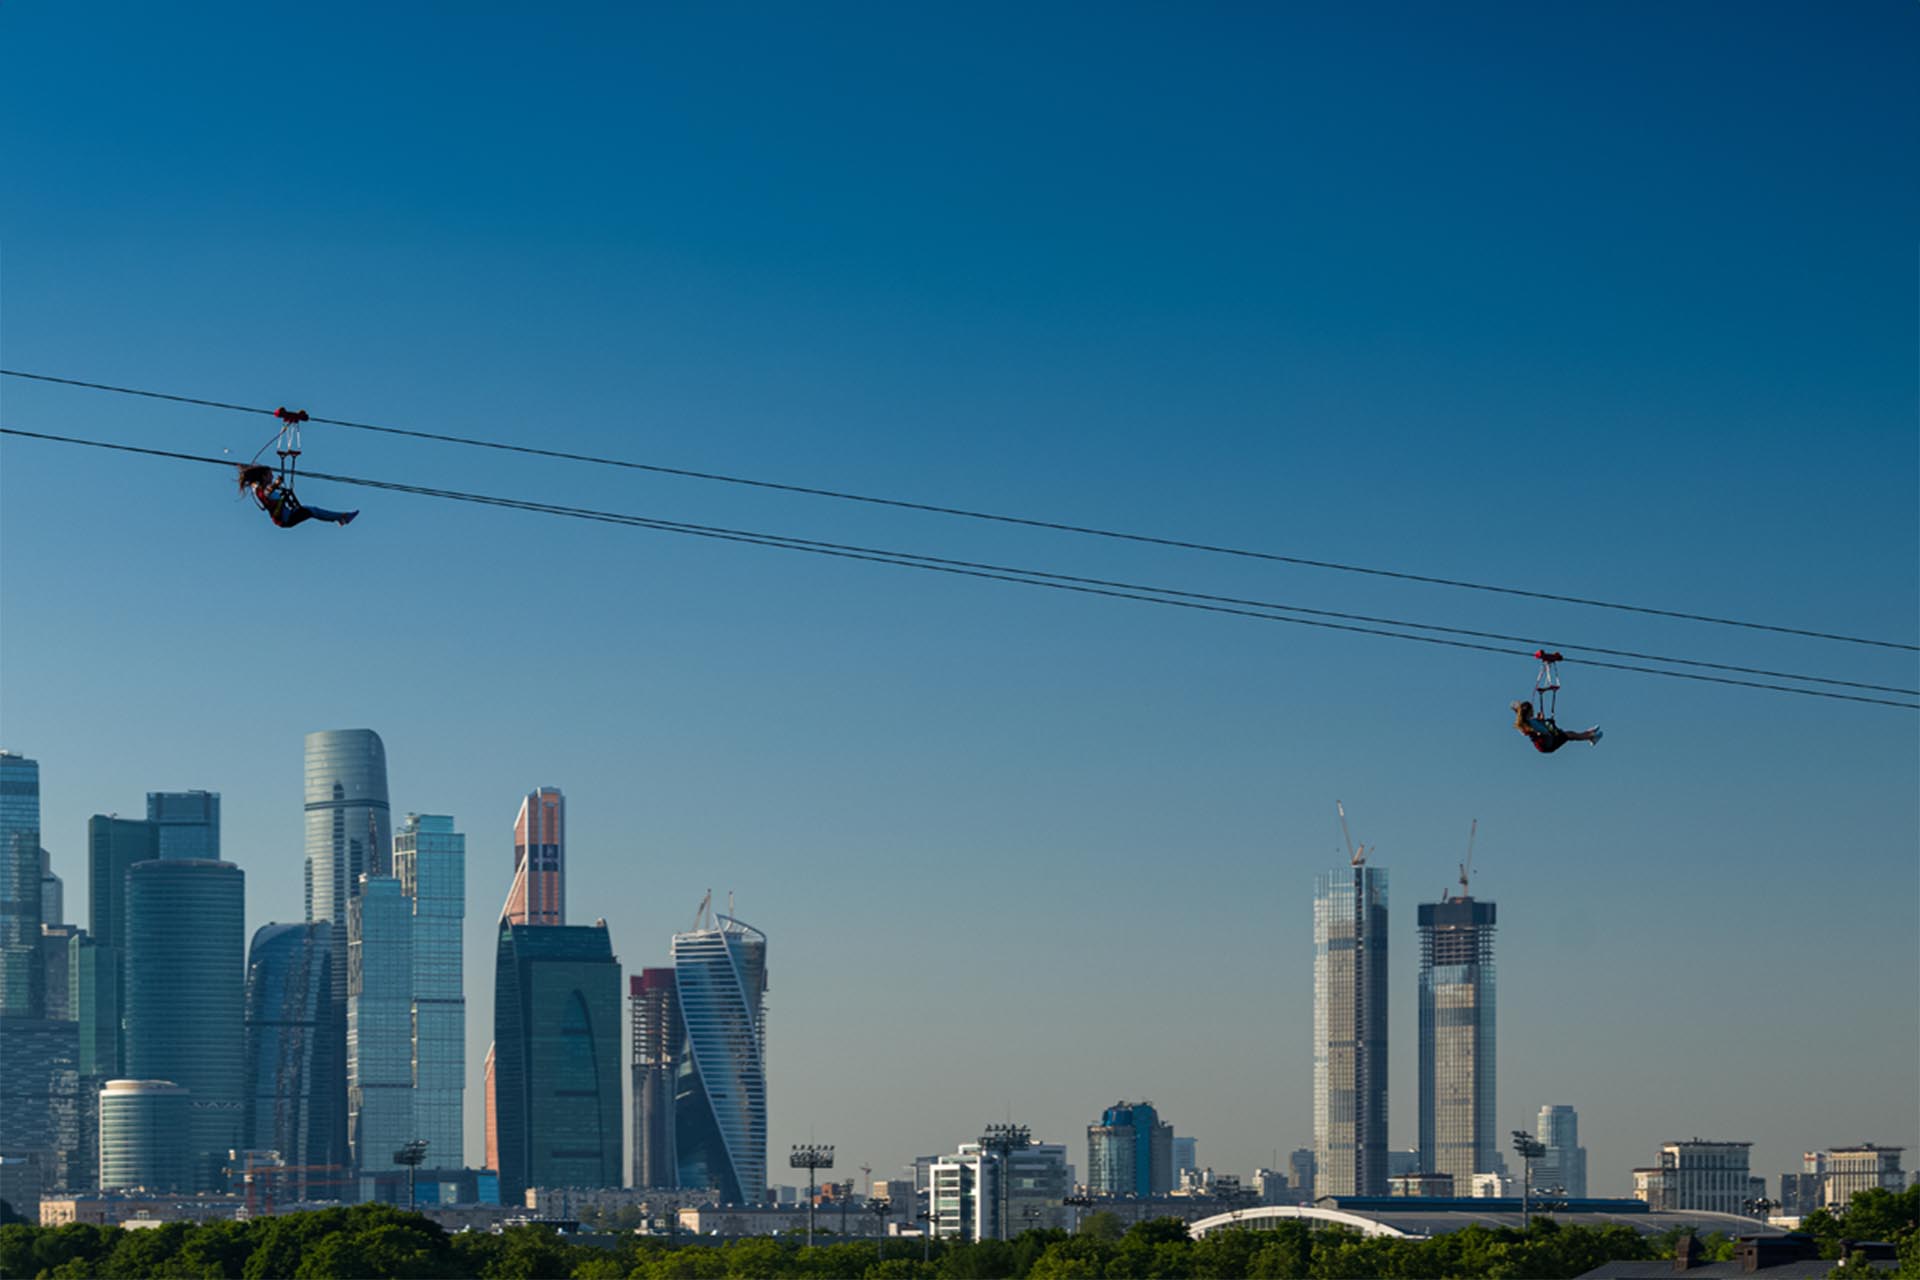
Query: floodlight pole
[(812, 1157), (1528, 1148), (1004, 1140)]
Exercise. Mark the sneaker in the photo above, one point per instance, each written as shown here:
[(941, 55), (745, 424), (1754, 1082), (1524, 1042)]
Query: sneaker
[(1595, 731), (347, 519)]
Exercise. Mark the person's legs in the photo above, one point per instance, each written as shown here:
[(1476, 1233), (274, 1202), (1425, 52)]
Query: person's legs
[(331, 517), (290, 515)]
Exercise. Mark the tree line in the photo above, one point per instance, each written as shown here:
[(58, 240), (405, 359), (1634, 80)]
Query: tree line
[(381, 1241)]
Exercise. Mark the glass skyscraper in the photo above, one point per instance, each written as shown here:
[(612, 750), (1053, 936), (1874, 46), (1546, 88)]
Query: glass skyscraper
[(21, 992), (1458, 1134), (539, 891), (185, 997), (289, 1052), (657, 1039), (348, 828), (189, 822), (430, 861), (379, 1029), (140, 1126), (1350, 1032), (114, 847), (720, 1087), (1130, 1152), (1565, 1164), (556, 1031)]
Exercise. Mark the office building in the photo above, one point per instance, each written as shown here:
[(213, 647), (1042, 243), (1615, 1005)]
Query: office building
[(348, 828), (535, 896), (188, 823), (289, 1012), (56, 971), (1847, 1171), (1130, 1152), (21, 994), (975, 1194), (53, 895), (1350, 1031), (40, 1106), (1458, 1128), (657, 1037), (1300, 1173), (1801, 1193), (430, 862), (1565, 1164), (379, 1031), (720, 1088), (186, 998), (140, 1126), (557, 1078), (1186, 1155), (93, 981), (539, 891), (1697, 1175)]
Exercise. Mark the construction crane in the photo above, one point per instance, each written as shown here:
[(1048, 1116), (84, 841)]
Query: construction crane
[(1466, 868), (1357, 854)]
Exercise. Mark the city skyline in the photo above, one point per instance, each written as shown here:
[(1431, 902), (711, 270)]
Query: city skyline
[(1589, 303)]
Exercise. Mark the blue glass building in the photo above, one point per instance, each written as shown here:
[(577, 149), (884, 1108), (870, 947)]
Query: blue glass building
[(189, 822), (430, 862), (1459, 1132), (289, 1013), (557, 1076), (21, 992), (185, 998), (1130, 1152), (720, 1085), (1350, 1031), (379, 1031)]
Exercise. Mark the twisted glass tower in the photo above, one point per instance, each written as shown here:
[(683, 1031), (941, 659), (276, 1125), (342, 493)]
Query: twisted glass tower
[(720, 1088), (290, 1048), (1457, 1125), (1350, 1031)]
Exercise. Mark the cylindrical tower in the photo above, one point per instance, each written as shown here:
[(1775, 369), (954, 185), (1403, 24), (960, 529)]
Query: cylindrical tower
[(140, 1126), (185, 997)]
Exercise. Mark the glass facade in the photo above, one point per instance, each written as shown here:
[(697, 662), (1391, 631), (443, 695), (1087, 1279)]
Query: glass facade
[(1565, 1164), (348, 828), (1458, 1134), (21, 993), (53, 893), (1350, 1032), (41, 1107), (657, 1036), (185, 998), (189, 822), (539, 891), (557, 1078), (430, 861), (289, 1050), (720, 1093), (379, 1027), (1130, 1152), (140, 1124)]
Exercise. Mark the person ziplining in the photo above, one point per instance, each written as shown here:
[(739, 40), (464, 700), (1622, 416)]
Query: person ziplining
[(274, 492), (1546, 736)]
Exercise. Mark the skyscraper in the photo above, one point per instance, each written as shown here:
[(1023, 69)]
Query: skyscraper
[(53, 897), (185, 997), (720, 1086), (1350, 1031), (556, 1031), (348, 828), (1301, 1164), (289, 1012), (539, 892), (1457, 1123), (21, 994), (1130, 1152), (140, 1126), (348, 836), (189, 822), (535, 896), (430, 861), (657, 1037), (379, 1031), (1565, 1164)]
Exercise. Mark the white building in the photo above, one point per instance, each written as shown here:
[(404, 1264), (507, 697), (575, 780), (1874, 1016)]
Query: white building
[(969, 1196), (1849, 1170), (1696, 1174)]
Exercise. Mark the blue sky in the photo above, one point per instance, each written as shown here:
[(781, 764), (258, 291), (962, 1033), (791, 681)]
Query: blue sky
[(1616, 302)]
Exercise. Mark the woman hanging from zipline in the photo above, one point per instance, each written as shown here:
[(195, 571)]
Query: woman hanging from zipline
[(274, 492), (1546, 736)]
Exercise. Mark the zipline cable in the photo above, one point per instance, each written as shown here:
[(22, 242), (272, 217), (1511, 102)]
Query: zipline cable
[(970, 514), (1030, 577)]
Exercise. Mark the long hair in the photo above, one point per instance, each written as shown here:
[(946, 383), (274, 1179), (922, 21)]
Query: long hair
[(1522, 712), (254, 473)]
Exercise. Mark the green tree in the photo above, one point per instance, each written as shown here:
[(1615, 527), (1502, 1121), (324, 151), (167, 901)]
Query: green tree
[(1103, 1225), (144, 1252)]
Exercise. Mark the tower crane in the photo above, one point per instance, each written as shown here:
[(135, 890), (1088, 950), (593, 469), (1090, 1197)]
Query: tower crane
[(1466, 868), (1357, 854)]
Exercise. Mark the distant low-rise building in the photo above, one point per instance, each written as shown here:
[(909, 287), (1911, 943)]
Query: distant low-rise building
[(1430, 1185), (969, 1197), (1850, 1170), (777, 1219), (1697, 1174), (108, 1208)]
